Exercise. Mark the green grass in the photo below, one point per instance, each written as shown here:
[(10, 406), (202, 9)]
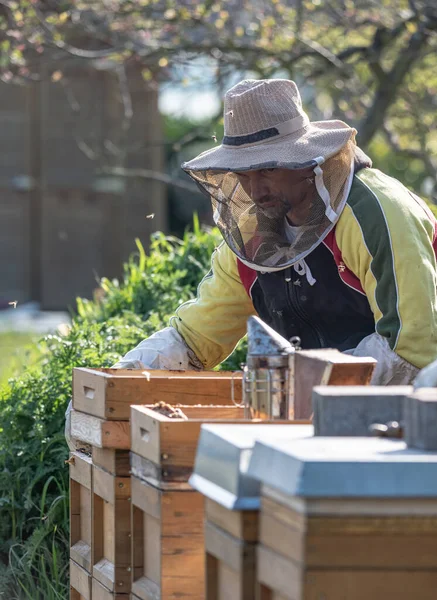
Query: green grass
[(17, 350)]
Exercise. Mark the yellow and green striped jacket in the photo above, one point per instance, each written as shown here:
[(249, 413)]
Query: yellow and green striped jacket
[(378, 261)]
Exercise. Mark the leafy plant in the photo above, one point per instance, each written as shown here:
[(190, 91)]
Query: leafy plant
[(33, 474)]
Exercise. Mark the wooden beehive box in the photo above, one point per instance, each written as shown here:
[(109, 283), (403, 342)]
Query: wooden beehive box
[(111, 534), (108, 393), (232, 504), (167, 514), (102, 398), (163, 450), (365, 529), (375, 555)]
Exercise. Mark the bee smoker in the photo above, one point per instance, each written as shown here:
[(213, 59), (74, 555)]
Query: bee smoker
[(266, 374)]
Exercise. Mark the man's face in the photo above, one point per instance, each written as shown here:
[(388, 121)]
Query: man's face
[(276, 192)]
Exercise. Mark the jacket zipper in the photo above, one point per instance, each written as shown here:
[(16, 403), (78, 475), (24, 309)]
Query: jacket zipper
[(294, 303)]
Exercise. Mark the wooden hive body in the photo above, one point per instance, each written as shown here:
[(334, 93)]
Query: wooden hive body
[(351, 550), (108, 393), (232, 504), (346, 519), (167, 514)]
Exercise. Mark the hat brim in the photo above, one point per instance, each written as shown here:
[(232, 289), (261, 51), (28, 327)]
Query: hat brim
[(293, 151)]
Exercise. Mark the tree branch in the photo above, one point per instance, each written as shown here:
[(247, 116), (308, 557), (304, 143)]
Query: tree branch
[(389, 85), (152, 175)]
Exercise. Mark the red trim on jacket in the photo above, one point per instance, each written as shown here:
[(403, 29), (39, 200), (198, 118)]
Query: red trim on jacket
[(247, 275), (345, 274)]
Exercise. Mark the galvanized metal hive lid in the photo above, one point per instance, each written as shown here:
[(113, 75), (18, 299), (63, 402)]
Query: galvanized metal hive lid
[(344, 467), (223, 458)]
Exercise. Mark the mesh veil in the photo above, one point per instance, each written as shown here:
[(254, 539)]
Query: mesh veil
[(259, 241)]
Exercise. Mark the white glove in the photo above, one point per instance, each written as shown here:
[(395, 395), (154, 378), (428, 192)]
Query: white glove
[(165, 349), (391, 369), (427, 376)]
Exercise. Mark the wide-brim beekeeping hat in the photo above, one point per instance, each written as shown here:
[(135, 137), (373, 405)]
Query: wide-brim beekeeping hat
[(265, 126)]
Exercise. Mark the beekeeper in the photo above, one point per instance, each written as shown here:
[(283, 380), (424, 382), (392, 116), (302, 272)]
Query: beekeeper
[(316, 242)]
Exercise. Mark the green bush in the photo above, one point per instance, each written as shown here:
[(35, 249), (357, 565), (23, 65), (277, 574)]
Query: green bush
[(33, 474)]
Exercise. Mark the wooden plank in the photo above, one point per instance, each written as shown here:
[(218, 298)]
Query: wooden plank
[(211, 576), (103, 572), (227, 549), (137, 546), (182, 514), (240, 524), (100, 433), (146, 497), (89, 387), (104, 485), (100, 592), (404, 526), (402, 552), (182, 558), (281, 575), (377, 584), (80, 552), (116, 434), (282, 538), (112, 531), (184, 586), (283, 513), (170, 542), (116, 462), (74, 595), (80, 466), (354, 506), (325, 367), (80, 580), (75, 532), (108, 394), (383, 541), (213, 412), (109, 534), (231, 562), (152, 549), (164, 478), (229, 583), (80, 509)]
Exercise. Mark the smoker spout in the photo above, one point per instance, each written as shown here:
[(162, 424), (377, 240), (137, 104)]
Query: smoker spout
[(265, 341)]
